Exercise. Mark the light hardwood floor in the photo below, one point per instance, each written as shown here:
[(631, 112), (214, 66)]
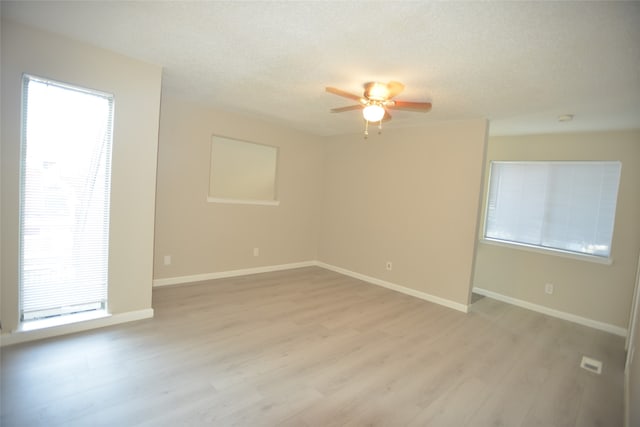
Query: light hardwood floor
[(309, 347)]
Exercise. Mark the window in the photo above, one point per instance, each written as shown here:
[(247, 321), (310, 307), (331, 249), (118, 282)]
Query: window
[(565, 206), (242, 172), (64, 199)]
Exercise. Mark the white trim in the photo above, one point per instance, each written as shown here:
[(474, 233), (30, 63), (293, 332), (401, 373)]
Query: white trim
[(32, 325), (626, 398), (230, 273), (54, 331), (398, 288), (243, 201), (607, 327), (630, 346), (547, 251), (633, 314)]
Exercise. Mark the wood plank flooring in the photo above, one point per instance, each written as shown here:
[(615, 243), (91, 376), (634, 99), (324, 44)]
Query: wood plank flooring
[(310, 347)]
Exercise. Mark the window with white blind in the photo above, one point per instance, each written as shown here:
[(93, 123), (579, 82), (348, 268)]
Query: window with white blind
[(558, 205), (64, 199)]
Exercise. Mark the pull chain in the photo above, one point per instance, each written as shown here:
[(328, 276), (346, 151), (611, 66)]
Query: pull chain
[(366, 128)]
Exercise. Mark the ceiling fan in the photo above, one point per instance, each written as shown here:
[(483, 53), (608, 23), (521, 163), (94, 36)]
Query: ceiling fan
[(376, 101)]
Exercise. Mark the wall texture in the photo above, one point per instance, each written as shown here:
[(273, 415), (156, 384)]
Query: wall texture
[(136, 87), (410, 197), (594, 291), (203, 237)]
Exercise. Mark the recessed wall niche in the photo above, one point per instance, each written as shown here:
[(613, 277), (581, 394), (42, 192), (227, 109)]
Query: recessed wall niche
[(242, 172)]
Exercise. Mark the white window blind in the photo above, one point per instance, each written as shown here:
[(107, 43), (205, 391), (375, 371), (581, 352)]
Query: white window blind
[(568, 206), (65, 188)]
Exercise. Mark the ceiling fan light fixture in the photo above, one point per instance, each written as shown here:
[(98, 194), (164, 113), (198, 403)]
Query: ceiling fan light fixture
[(373, 113), (376, 101)]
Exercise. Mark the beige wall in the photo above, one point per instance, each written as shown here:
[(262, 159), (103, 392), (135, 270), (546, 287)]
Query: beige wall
[(203, 237), (594, 291), (410, 197), (344, 201), (136, 87)]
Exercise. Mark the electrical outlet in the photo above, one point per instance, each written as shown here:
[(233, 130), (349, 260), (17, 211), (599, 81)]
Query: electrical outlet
[(167, 260), (548, 288), (256, 251), (389, 265)]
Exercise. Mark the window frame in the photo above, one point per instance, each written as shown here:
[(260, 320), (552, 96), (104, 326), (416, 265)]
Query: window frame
[(546, 250), (53, 316)]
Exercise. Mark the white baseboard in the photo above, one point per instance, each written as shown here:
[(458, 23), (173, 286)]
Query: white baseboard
[(607, 327), (233, 273), (54, 331), (230, 273), (398, 288)]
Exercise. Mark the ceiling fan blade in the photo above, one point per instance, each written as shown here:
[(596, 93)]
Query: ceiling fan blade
[(414, 106), (349, 108), (386, 116), (394, 88), (341, 92)]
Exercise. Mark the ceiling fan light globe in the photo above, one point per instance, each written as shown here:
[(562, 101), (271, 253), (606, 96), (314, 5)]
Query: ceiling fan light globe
[(373, 113)]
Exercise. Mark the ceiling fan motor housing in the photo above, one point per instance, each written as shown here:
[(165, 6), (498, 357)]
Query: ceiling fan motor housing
[(375, 91)]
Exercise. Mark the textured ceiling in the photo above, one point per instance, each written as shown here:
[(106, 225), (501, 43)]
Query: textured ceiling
[(518, 64)]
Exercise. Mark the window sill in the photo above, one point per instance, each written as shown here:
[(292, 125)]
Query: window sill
[(34, 325), (244, 201), (546, 251)]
